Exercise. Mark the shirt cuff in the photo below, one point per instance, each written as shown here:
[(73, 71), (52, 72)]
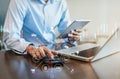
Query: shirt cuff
[(21, 49), (25, 52)]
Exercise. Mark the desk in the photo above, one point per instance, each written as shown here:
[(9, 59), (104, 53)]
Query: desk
[(14, 66)]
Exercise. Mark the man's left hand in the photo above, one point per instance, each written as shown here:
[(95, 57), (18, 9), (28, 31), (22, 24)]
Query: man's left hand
[(74, 35)]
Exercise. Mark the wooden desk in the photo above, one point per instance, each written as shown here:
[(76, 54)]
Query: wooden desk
[(14, 66)]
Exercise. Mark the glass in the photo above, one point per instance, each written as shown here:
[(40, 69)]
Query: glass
[(103, 30), (87, 37)]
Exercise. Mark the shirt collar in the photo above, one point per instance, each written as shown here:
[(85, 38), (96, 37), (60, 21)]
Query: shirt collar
[(49, 1)]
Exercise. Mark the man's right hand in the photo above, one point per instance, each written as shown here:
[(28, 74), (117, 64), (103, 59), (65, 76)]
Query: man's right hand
[(40, 52)]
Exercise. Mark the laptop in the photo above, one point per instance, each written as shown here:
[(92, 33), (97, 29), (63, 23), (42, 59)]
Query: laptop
[(90, 52)]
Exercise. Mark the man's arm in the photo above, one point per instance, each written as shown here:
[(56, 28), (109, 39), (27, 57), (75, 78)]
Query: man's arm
[(13, 25), (12, 32), (65, 22)]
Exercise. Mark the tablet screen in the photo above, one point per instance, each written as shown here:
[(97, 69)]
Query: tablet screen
[(77, 24)]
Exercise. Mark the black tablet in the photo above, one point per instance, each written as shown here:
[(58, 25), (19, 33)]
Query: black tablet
[(77, 24)]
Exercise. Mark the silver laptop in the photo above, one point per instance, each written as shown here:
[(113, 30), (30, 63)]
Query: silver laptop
[(91, 52)]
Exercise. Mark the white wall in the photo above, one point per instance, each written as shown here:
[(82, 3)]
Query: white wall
[(100, 12)]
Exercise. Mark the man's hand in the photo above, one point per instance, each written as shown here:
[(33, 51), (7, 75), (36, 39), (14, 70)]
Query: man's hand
[(40, 52), (74, 35)]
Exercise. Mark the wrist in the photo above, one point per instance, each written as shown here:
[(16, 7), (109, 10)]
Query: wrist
[(29, 47), (70, 39)]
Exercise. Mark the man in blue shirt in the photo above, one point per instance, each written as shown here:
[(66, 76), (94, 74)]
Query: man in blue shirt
[(30, 24)]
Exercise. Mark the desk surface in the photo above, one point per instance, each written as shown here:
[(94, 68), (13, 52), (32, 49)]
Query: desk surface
[(14, 66)]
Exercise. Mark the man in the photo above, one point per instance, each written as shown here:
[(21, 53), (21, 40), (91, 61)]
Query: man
[(29, 26)]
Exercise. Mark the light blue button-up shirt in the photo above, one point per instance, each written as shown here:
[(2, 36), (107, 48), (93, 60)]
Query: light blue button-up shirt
[(33, 22)]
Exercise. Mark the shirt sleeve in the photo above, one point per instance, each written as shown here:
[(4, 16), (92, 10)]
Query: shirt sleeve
[(65, 19), (65, 22), (13, 25)]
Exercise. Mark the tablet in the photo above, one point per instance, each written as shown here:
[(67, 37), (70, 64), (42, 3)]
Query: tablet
[(77, 24)]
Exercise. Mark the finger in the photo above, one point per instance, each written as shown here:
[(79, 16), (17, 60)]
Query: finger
[(38, 54), (42, 53), (48, 52), (54, 52), (70, 35), (32, 52), (33, 55), (76, 33), (73, 36), (78, 30), (75, 39)]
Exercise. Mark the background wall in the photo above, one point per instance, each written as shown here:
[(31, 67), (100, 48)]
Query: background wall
[(3, 10), (104, 14)]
